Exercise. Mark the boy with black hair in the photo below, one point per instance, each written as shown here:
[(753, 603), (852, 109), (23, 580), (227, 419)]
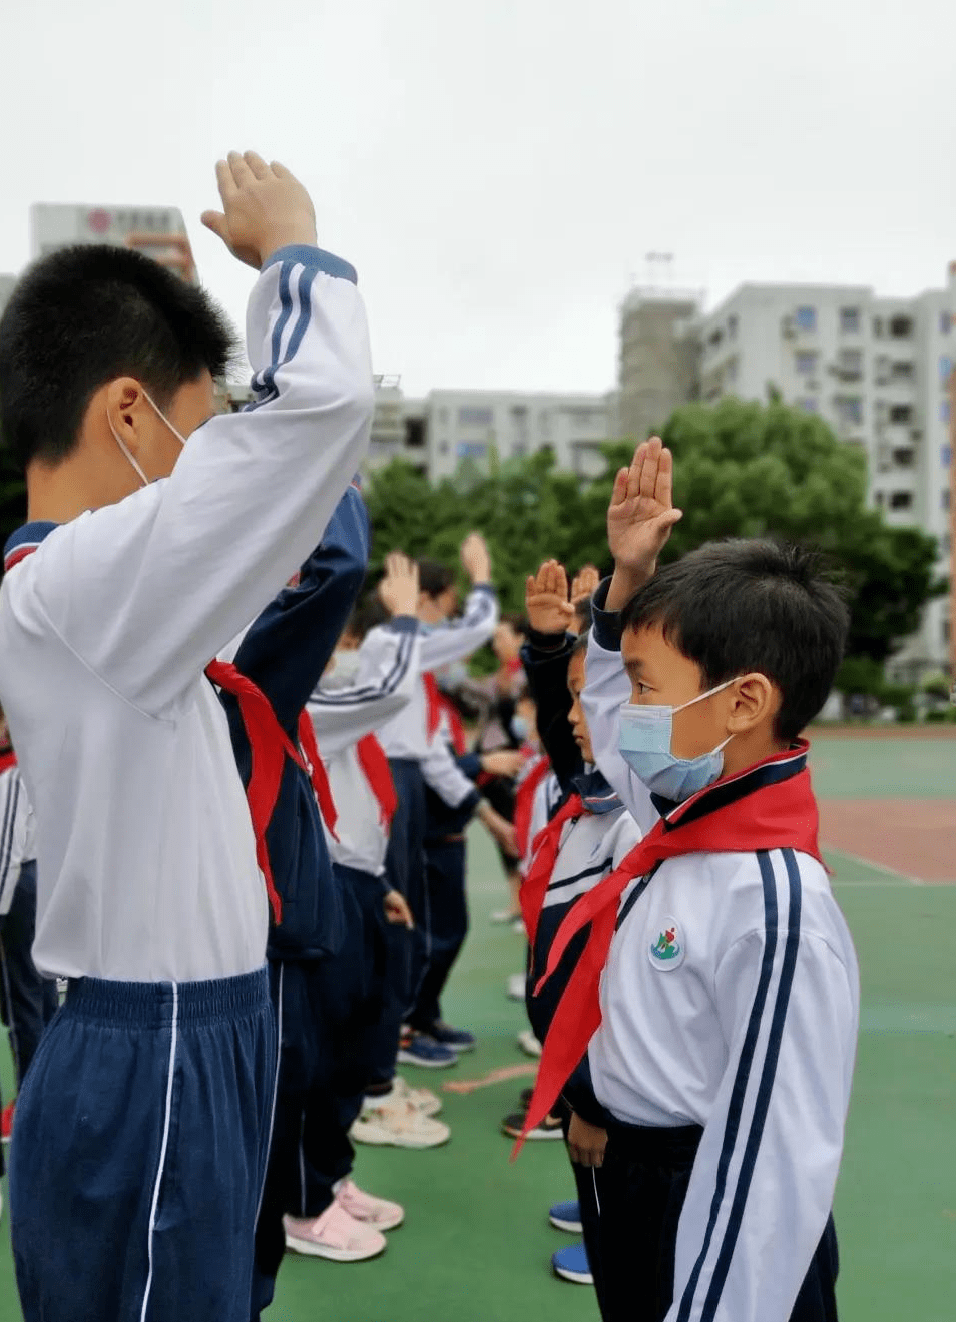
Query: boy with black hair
[(142, 1127), (718, 1003)]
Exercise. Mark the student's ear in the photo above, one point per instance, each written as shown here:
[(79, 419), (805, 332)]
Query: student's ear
[(754, 700)]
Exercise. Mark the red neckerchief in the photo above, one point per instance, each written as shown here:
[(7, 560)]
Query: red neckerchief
[(270, 746), (317, 772), (545, 853), (378, 773), (455, 727), (7, 760), (432, 704), (524, 802), (780, 815)]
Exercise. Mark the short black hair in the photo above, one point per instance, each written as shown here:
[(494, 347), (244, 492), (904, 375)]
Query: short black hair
[(83, 316), (519, 623), (434, 578), (738, 606)]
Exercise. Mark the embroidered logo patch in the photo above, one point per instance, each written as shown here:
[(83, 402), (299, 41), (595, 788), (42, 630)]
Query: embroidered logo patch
[(667, 952)]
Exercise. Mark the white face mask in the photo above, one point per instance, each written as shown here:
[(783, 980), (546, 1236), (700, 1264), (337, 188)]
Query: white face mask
[(162, 416)]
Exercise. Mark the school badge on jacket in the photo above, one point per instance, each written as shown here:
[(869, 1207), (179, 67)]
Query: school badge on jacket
[(667, 952)]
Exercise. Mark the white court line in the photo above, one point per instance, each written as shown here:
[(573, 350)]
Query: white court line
[(901, 877)]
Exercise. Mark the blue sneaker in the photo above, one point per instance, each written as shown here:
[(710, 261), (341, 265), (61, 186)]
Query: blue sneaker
[(426, 1053), (566, 1216), (456, 1039), (571, 1264)]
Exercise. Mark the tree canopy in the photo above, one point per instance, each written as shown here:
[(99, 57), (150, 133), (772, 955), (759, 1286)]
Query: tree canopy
[(740, 469)]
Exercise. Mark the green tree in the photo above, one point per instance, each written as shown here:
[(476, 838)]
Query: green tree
[(741, 469)]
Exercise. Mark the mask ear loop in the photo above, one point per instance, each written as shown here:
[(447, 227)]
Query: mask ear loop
[(135, 466)]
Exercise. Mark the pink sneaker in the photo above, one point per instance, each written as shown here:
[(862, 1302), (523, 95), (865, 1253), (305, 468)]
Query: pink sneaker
[(334, 1235), (371, 1211)]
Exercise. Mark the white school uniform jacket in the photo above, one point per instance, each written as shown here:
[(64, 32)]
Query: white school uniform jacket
[(388, 673), (406, 735), (730, 1000), (17, 834), (145, 851)]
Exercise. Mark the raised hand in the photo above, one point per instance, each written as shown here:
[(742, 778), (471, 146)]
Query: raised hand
[(398, 590), (639, 519), (585, 584), (546, 599), (265, 208), (475, 558)]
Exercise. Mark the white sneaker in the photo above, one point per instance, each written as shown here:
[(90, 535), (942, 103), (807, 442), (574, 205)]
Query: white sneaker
[(529, 1044), (334, 1235), (516, 987), (395, 1124), (421, 1098)]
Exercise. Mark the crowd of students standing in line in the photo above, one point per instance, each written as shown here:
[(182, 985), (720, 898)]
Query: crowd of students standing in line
[(249, 839)]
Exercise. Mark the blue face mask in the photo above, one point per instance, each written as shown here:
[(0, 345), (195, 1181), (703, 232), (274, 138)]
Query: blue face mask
[(645, 745)]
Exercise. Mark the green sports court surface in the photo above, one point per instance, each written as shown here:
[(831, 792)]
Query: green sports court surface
[(476, 1245)]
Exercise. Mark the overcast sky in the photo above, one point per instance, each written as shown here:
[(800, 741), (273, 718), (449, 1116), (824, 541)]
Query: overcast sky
[(498, 169)]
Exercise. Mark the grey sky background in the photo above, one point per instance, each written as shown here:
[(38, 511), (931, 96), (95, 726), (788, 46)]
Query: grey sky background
[(497, 171)]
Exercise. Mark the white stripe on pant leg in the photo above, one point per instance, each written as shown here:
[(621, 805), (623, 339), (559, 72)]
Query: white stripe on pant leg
[(174, 1029), (275, 1091), (597, 1198)]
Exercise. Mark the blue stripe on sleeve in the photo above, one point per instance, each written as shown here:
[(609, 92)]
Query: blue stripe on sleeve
[(742, 1080), (764, 1093), (316, 259)]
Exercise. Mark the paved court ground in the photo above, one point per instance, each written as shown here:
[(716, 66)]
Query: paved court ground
[(476, 1244)]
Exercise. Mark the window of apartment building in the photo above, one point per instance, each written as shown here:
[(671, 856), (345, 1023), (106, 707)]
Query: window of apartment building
[(850, 364), (849, 408), (878, 497), (443, 447), (849, 321), (901, 414), (471, 416), (806, 318), (806, 364), (415, 433), (944, 411), (945, 322), (472, 450), (946, 455), (945, 371), (901, 328), (903, 458), (946, 543), (944, 497), (808, 405), (878, 328), (901, 500), (519, 450), (733, 326), (944, 630), (902, 372)]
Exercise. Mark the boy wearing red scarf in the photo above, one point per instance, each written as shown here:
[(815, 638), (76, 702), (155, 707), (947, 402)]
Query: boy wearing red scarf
[(717, 994)]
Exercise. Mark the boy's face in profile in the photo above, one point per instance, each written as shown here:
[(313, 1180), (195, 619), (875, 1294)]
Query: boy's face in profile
[(661, 676), (579, 726)]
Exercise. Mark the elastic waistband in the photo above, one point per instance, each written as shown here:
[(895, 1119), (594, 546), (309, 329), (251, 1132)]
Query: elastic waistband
[(659, 1144), (152, 1004)]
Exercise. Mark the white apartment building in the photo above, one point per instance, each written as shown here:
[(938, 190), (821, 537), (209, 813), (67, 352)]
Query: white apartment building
[(444, 428), (877, 369)]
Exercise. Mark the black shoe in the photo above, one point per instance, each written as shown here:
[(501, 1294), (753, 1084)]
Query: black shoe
[(550, 1127)]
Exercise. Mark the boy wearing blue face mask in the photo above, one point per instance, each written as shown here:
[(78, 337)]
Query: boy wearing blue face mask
[(717, 993)]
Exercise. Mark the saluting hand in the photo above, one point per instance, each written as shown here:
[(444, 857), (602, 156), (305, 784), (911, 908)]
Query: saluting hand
[(639, 518), (264, 208), (546, 599), (398, 590)]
